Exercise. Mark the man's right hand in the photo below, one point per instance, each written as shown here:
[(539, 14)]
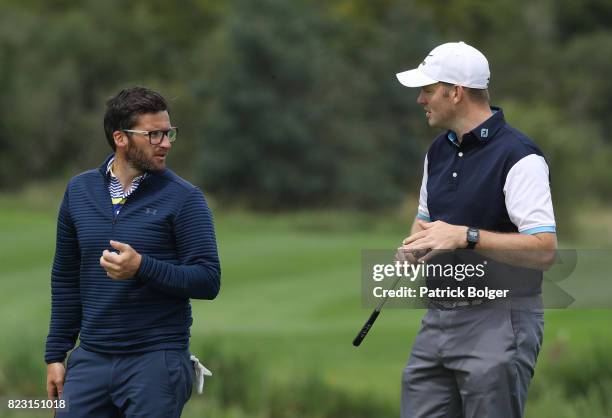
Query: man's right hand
[(56, 372), (402, 254)]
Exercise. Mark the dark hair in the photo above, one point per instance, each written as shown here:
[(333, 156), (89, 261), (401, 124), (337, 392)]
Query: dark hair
[(123, 109), (477, 95)]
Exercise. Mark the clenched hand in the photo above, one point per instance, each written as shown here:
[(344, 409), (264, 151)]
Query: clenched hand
[(123, 265)]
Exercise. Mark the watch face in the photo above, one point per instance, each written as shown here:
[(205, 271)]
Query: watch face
[(473, 235)]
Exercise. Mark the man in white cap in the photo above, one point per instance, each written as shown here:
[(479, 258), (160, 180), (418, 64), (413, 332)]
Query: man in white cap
[(485, 188)]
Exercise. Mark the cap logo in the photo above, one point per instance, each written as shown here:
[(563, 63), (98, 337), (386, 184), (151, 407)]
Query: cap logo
[(484, 132), (425, 60)]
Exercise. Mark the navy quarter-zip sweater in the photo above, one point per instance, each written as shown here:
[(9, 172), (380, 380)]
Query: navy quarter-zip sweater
[(168, 222)]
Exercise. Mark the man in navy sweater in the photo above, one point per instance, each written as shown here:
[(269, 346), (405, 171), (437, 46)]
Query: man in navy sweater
[(134, 243)]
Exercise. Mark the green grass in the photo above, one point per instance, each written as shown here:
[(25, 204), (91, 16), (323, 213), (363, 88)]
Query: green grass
[(290, 301)]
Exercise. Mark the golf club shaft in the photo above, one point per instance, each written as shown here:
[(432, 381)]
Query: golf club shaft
[(366, 327)]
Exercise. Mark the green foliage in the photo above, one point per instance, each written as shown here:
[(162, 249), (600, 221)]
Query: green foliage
[(573, 383), (586, 94), (290, 120), (241, 383), (562, 141), (287, 105), (61, 64), (577, 17)]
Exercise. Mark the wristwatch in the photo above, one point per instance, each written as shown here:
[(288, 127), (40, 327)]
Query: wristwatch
[(473, 236)]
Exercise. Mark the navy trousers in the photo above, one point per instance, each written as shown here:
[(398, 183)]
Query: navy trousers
[(153, 384)]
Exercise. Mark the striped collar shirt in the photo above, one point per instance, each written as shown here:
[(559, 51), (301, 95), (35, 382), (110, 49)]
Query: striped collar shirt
[(118, 195)]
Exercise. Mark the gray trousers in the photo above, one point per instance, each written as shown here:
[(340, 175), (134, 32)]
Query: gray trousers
[(473, 361)]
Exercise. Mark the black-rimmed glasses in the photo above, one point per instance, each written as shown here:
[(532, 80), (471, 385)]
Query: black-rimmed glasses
[(156, 137)]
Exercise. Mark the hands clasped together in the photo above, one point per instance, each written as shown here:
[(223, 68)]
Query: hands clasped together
[(434, 238)]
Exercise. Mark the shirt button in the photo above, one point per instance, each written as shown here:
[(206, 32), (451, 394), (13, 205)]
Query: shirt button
[(460, 154), (455, 174)]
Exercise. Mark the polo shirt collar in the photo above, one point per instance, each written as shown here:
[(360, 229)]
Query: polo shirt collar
[(483, 132)]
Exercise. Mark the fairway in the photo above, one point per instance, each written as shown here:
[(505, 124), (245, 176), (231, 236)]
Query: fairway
[(290, 300)]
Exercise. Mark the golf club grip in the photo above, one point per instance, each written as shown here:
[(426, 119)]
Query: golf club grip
[(366, 328)]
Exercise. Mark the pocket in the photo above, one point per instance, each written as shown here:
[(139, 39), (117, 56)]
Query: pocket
[(180, 373), (72, 357), (515, 321), (190, 374)]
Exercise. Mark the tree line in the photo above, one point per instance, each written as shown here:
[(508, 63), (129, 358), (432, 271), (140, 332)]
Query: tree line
[(287, 105)]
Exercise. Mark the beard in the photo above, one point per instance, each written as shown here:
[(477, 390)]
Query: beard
[(137, 158)]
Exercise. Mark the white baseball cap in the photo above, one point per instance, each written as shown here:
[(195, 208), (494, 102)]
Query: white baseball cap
[(453, 62)]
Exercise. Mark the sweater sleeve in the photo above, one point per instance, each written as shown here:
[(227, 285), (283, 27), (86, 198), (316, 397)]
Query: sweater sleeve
[(198, 274), (65, 293)]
